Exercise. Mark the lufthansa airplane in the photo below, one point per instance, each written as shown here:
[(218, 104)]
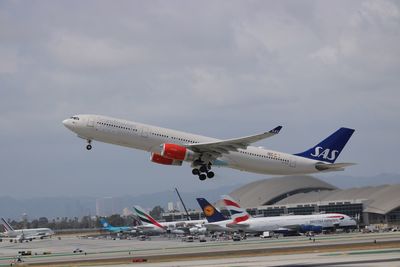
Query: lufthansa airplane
[(171, 147)]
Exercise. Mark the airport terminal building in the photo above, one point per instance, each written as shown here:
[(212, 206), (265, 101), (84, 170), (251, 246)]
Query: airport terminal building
[(307, 195)]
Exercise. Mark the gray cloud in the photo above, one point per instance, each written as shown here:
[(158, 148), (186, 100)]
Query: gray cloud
[(224, 69)]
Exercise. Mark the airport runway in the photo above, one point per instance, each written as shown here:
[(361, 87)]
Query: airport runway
[(357, 248)]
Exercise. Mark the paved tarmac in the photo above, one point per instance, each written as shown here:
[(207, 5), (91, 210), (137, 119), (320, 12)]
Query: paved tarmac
[(357, 248)]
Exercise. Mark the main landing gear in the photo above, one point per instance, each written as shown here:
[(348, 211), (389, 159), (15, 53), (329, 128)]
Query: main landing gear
[(203, 172), (89, 146)]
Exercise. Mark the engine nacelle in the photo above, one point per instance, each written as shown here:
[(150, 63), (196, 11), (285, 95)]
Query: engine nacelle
[(157, 158), (177, 152)]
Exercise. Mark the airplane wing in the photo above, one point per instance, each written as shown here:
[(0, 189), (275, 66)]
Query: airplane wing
[(145, 227), (217, 148), (238, 226), (332, 167)]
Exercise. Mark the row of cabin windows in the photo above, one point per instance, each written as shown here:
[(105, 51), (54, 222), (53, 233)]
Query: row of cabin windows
[(117, 126), (157, 134), (263, 156), (175, 138)]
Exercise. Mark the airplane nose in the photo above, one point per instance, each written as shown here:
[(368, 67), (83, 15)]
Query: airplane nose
[(67, 123)]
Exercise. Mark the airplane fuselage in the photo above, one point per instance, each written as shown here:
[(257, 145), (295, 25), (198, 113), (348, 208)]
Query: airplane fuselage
[(151, 138), (298, 223), (304, 223), (29, 233)]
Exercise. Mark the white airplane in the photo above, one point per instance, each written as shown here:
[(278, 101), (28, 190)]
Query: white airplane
[(24, 234), (177, 227), (241, 220), (171, 147)]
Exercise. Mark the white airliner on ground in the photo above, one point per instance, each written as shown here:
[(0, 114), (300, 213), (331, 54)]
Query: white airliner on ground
[(242, 220), (151, 225), (24, 234), (171, 147)]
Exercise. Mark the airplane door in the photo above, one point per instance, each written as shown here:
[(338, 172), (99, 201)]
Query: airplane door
[(292, 162), (90, 122), (144, 132)]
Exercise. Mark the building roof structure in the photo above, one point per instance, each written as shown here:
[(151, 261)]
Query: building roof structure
[(290, 190), (270, 191)]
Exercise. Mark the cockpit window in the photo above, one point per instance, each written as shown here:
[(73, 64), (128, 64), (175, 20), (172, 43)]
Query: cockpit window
[(75, 118)]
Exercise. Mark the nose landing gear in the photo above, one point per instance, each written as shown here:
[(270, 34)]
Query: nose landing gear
[(89, 146)]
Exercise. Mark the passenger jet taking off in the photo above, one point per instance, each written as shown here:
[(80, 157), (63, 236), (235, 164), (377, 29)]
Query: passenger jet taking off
[(171, 147)]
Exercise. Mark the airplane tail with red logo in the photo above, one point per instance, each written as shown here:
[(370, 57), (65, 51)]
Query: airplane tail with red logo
[(7, 226), (329, 149), (146, 218), (238, 214)]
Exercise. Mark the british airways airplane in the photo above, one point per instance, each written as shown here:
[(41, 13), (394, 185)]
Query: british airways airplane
[(171, 147), (242, 221)]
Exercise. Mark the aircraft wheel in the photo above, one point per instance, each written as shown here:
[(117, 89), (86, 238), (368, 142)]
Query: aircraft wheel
[(89, 147), (202, 177), (195, 172), (210, 175), (203, 168)]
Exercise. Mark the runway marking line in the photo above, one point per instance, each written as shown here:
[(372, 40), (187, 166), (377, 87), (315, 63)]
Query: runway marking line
[(383, 251)]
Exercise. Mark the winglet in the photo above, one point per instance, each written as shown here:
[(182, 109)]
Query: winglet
[(276, 130)]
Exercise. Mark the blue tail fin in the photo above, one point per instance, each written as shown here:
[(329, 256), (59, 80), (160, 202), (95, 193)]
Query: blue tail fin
[(104, 223), (211, 213), (329, 149)]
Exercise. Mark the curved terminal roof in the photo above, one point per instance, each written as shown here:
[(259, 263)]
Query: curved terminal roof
[(377, 199), (273, 190)]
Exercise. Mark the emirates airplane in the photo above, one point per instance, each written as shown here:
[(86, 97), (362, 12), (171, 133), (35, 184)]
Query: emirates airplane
[(171, 147)]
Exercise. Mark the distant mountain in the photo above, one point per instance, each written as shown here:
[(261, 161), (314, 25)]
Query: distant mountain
[(52, 207)]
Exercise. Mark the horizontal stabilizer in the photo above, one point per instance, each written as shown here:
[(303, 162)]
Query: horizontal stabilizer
[(332, 167)]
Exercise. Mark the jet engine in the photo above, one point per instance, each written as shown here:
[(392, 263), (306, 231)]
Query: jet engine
[(157, 158), (177, 152)]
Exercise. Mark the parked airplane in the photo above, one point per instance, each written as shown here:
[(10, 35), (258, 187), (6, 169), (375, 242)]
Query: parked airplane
[(216, 221), (115, 229), (177, 227), (24, 234), (171, 147), (243, 221)]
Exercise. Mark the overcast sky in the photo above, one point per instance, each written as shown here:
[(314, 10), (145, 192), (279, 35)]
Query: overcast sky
[(217, 68)]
